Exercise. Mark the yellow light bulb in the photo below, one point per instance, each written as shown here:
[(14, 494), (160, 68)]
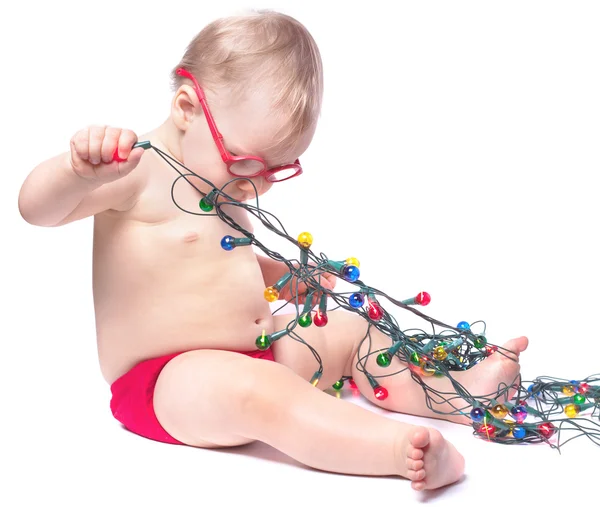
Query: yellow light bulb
[(305, 239), (428, 371), (353, 261), (572, 410), (271, 294), (499, 411), (568, 390), (439, 353)]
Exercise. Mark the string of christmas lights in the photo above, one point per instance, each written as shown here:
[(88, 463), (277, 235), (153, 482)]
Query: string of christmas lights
[(542, 412)]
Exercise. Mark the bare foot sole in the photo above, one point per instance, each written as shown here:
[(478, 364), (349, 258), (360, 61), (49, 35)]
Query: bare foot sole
[(431, 460)]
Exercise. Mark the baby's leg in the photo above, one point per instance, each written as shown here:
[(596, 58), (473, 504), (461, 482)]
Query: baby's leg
[(341, 346), (210, 398)]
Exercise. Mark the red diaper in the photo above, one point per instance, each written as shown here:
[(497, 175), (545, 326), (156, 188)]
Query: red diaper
[(133, 393)]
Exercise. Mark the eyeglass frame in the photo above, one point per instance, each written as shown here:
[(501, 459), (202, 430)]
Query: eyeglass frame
[(228, 158)]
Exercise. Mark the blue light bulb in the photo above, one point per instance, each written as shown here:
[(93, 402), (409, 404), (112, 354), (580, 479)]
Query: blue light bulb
[(463, 325), (351, 273), (518, 432), (477, 414), (227, 243), (356, 300)]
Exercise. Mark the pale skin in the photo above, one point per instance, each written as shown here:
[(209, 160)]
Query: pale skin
[(163, 284)]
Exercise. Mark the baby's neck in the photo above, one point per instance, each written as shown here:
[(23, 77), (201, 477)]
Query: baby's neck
[(166, 137)]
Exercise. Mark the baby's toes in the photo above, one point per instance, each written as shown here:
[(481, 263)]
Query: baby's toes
[(415, 464), (418, 485), (416, 475), (415, 453)]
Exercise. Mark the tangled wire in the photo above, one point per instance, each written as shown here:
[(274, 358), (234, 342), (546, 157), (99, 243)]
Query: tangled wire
[(499, 416)]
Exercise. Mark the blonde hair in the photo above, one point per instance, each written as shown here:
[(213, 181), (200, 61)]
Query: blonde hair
[(263, 46)]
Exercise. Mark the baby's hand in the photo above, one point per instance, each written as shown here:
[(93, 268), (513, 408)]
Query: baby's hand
[(93, 151), (327, 281)]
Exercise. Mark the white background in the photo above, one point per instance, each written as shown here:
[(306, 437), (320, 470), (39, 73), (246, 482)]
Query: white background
[(457, 153)]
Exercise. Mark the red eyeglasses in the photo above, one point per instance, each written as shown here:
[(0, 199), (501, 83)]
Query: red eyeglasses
[(248, 166)]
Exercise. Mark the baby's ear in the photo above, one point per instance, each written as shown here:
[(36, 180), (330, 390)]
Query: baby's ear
[(184, 106)]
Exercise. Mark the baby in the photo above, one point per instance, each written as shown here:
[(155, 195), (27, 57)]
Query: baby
[(177, 317)]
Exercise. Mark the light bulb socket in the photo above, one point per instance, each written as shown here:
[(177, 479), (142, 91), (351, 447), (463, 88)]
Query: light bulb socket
[(282, 282), (308, 304), (304, 257), (336, 265), (323, 304), (142, 144)]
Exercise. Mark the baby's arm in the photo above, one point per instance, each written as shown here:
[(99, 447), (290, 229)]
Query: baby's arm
[(84, 182)]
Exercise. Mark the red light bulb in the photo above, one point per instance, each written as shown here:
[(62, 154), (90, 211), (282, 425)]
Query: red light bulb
[(320, 319), (352, 383), (423, 298), (583, 388), (380, 393), (547, 429), (487, 429), (490, 349), (375, 311)]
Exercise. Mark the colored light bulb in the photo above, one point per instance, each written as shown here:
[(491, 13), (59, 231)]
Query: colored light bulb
[(463, 325), (351, 273), (519, 413), (439, 353), (414, 359), (375, 311), (583, 388), (356, 300), (519, 432), (477, 414), (499, 411), (271, 294), (568, 390), (305, 239), (305, 320), (227, 243), (338, 385), (384, 359), (572, 410), (579, 399), (320, 319), (428, 370), (479, 342), (263, 342), (547, 429), (490, 349), (423, 298), (205, 205), (352, 383), (487, 429), (353, 261), (380, 393)]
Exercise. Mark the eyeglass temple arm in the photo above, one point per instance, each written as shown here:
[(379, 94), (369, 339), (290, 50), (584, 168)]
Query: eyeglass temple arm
[(211, 122)]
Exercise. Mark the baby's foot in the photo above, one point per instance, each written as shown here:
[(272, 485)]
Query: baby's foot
[(431, 460), (500, 369)]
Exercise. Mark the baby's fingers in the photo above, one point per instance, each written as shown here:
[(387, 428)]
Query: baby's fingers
[(80, 151), (96, 138), (125, 143), (110, 143)]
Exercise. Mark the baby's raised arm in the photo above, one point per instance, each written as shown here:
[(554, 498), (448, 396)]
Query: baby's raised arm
[(85, 181)]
